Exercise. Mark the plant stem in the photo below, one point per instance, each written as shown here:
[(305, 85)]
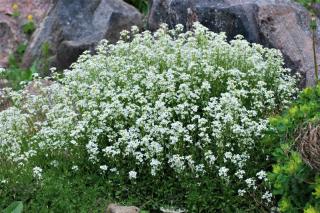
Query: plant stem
[(315, 55)]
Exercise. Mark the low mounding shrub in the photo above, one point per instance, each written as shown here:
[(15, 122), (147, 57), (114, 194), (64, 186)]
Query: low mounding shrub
[(295, 176), (159, 119)]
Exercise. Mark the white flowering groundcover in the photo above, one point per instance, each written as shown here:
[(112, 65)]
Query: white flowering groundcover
[(176, 115)]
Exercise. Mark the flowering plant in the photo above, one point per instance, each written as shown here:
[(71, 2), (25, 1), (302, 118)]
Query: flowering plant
[(167, 117)]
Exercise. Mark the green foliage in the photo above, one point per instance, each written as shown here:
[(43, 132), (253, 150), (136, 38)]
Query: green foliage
[(28, 28), (296, 185), (60, 192), (15, 207), (16, 14), (141, 5), (43, 61), (14, 73), (45, 49), (309, 4)]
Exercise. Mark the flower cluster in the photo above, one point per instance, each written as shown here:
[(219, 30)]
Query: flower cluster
[(189, 103)]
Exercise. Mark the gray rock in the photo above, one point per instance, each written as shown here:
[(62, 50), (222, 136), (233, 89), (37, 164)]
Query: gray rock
[(280, 24), (114, 208), (3, 83), (4, 102), (8, 38), (73, 26)]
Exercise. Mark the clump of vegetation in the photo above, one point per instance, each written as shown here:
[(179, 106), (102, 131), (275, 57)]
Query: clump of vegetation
[(141, 5), (29, 27), (14, 73), (163, 119), (15, 9), (295, 176)]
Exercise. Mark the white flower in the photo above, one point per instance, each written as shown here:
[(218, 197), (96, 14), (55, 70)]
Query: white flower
[(172, 210), (251, 183), (4, 181), (93, 150), (241, 192), (210, 157), (54, 163), (177, 162), (240, 173), (134, 29), (200, 168), (73, 142), (2, 70), (53, 69), (227, 156), (132, 175), (154, 166), (35, 75), (206, 85), (267, 196), (223, 171), (37, 172), (262, 175), (113, 169), (104, 167), (75, 168), (179, 28)]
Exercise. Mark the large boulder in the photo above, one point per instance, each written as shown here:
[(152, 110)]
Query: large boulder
[(11, 33), (4, 102), (73, 26), (280, 24)]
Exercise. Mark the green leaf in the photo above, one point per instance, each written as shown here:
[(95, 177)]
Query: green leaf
[(317, 192), (15, 207), (29, 28), (33, 68)]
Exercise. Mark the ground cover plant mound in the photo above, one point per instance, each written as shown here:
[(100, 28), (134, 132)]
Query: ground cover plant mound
[(295, 176), (166, 119)]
